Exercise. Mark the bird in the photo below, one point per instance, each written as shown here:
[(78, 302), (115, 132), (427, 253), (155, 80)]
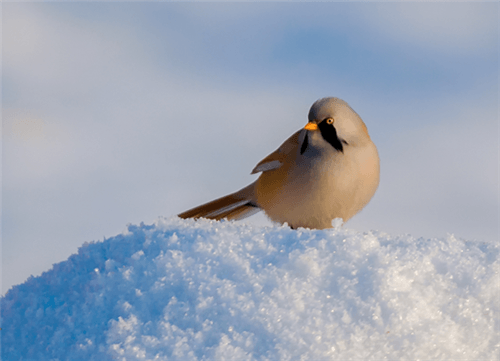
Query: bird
[(329, 169)]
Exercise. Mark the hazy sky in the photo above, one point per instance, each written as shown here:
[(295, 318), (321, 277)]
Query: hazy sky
[(117, 113)]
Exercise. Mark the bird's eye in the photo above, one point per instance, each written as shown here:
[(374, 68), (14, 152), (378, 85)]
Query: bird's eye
[(329, 121)]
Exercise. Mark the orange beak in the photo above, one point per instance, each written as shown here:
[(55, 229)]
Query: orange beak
[(311, 126)]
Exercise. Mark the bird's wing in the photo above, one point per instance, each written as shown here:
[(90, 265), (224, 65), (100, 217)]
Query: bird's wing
[(276, 158)]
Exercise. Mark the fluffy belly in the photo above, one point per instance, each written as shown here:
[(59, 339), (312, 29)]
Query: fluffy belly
[(307, 199), (309, 208), (313, 198)]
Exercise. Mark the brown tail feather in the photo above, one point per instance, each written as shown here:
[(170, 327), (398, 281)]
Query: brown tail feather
[(242, 211), (236, 206)]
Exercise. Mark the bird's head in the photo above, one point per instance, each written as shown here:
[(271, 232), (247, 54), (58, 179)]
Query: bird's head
[(337, 123)]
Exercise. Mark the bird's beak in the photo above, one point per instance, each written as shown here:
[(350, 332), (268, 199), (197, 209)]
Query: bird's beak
[(311, 126)]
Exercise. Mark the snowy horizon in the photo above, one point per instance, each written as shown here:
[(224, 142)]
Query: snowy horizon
[(206, 290)]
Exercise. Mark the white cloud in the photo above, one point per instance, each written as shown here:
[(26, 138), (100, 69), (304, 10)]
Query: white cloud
[(453, 28)]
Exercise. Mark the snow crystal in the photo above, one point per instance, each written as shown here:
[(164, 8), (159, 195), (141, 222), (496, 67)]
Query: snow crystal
[(206, 290)]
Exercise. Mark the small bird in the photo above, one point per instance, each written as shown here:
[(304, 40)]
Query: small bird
[(329, 169)]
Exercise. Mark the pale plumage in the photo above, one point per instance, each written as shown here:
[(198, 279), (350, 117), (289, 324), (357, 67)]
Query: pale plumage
[(329, 169)]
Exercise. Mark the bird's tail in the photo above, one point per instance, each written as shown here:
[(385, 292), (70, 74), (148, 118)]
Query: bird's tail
[(235, 206)]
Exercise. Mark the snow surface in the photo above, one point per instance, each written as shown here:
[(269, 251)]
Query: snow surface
[(206, 290)]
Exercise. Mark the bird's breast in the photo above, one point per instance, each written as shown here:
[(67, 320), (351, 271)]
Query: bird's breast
[(314, 190)]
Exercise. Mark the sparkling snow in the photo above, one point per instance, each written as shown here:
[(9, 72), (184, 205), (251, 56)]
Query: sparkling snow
[(205, 290)]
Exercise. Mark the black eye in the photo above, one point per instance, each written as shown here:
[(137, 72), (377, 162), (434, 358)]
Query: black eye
[(329, 121)]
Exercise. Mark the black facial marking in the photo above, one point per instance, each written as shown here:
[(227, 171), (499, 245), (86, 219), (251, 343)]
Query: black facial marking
[(329, 134), (304, 144)]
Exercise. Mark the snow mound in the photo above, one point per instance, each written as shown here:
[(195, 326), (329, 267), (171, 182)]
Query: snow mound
[(204, 290)]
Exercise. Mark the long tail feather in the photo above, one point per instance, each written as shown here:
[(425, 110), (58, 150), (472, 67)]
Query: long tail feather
[(235, 206)]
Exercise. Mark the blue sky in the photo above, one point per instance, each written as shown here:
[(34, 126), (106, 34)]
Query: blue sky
[(117, 113)]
